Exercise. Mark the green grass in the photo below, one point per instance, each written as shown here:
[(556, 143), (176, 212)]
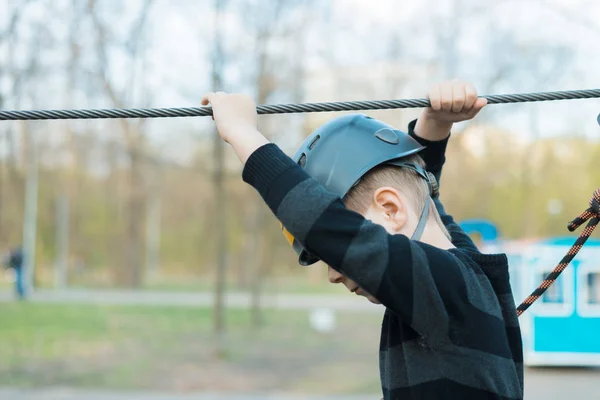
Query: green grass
[(269, 287), (50, 331), (172, 348), (194, 283), (288, 284), (298, 284)]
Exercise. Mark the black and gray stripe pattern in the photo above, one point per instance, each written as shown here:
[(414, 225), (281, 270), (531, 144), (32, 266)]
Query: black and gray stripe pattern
[(450, 328)]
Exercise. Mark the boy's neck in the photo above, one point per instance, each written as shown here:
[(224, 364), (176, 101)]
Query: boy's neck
[(435, 236)]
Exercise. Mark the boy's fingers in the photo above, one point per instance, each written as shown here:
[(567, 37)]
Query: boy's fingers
[(458, 97), (446, 96), (207, 98), (435, 98), (471, 114), (470, 97)]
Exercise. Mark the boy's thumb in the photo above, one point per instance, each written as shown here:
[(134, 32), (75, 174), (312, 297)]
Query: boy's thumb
[(480, 103), (478, 106)]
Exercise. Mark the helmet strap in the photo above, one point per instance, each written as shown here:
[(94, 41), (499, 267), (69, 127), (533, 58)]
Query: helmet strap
[(422, 220)]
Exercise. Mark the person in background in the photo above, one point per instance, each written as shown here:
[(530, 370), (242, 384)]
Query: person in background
[(14, 260)]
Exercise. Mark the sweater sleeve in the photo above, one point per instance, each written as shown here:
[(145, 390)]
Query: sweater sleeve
[(434, 156), (419, 282)]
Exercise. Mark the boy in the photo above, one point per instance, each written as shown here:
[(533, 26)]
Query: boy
[(357, 197)]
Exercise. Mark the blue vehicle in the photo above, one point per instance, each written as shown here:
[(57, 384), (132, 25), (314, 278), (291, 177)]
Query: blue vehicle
[(563, 327), (486, 229), (484, 233)]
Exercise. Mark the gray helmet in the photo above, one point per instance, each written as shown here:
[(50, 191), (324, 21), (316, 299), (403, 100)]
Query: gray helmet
[(340, 152)]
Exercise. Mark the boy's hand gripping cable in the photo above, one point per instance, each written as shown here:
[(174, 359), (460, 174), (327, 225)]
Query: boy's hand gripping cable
[(593, 215)]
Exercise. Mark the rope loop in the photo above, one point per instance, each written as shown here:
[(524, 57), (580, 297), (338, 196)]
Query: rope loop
[(593, 211), (593, 215), (595, 202)]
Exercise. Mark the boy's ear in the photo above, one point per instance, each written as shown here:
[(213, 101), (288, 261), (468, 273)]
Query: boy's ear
[(388, 201)]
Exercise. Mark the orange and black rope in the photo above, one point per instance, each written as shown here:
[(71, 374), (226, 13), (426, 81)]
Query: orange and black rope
[(593, 215)]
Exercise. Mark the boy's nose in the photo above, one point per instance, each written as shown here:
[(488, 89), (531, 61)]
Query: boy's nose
[(334, 276)]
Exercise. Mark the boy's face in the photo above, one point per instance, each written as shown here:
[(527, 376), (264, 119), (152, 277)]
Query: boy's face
[(336, 277)]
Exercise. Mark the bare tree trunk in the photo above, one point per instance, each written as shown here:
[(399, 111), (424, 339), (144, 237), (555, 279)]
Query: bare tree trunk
[(220, 214), (30, 217), (136, 144), (70, 181), (133, 137), (3, 178), (31, 159), (256, 258), (62, 241), (257, 266), (153, 220), (10, 178), (136, 216), (527, 188), (74, 189)]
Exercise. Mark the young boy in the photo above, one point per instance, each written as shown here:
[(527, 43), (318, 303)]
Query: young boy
[(357, 197)]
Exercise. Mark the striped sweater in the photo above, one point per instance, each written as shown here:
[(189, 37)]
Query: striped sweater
[(450, 329)]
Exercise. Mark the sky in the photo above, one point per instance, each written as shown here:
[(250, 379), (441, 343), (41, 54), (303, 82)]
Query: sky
[(570, 23), (180, 40)]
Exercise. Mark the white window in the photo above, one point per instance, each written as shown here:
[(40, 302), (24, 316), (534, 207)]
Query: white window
[(593, 287), (558, 299), (555, 294), (588, 288)]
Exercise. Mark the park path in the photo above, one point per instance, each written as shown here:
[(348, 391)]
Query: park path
[(540, 384), (77, 394), (285, 301)]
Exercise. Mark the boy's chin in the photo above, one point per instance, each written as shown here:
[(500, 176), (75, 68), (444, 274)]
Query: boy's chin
[(373, 299)]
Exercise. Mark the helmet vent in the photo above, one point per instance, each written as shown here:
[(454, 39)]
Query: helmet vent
[(302, 160), (387, 135), (314, 142)]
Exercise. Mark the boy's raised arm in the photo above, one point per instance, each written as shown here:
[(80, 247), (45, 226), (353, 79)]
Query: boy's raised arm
[(451, 102)]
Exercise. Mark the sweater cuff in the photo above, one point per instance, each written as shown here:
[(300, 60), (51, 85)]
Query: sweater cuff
[(264, 166), (435, 155)]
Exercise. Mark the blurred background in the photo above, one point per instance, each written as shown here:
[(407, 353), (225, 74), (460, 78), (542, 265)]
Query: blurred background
[(148, 267)]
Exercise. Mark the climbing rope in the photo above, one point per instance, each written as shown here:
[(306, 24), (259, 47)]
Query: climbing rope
[(283, 108), (593, 215)]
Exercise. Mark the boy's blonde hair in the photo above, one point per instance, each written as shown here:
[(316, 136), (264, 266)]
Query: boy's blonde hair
[(359, 197)]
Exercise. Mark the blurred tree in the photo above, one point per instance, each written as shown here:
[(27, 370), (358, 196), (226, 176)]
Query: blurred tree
[(220, 205), (118, 179), (133, 132), (11, 177), (278, 53)]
